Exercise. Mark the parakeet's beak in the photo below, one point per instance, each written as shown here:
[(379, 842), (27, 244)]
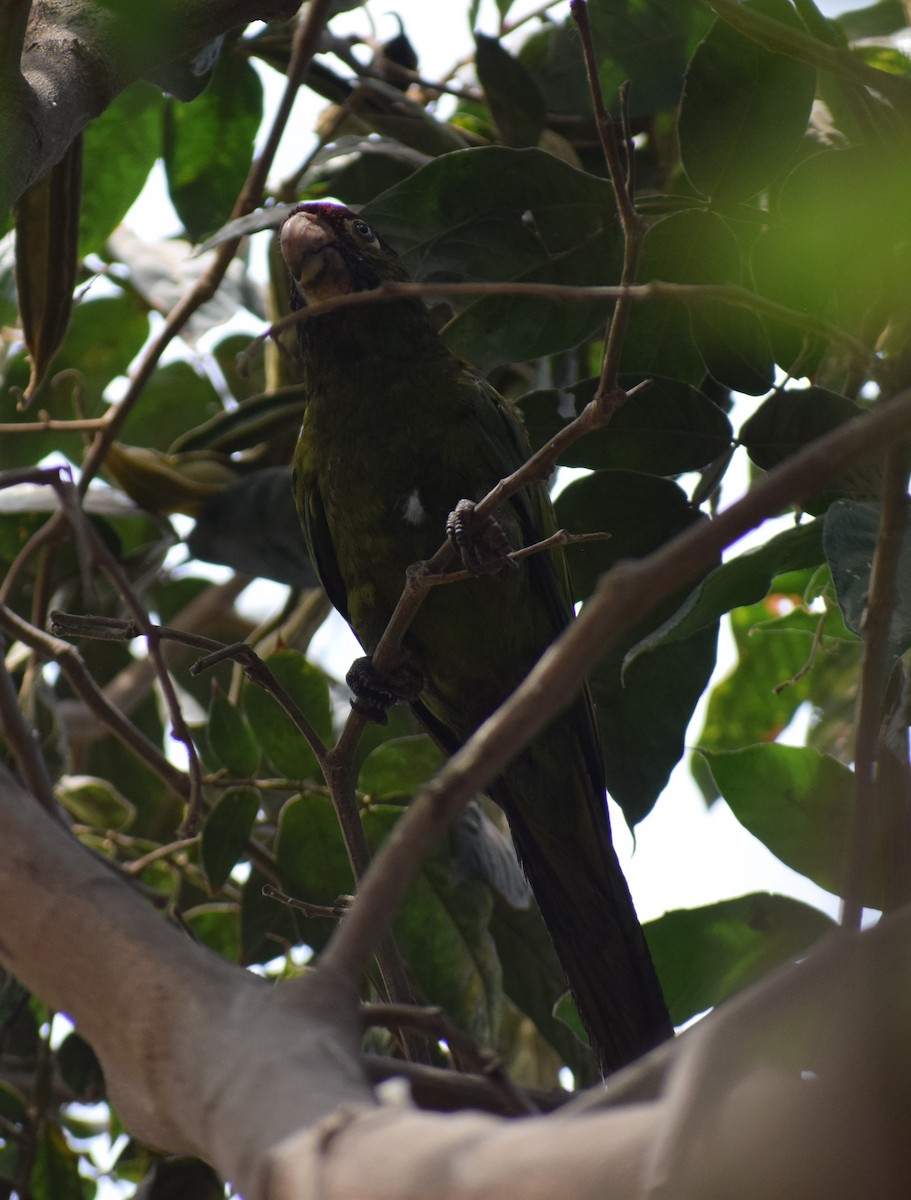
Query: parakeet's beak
[(310, 250)]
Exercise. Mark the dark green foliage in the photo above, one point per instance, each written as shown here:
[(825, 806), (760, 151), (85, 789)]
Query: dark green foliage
[(502, 214), (208, 145), (643, 709), (668, 429), (744, 110), (512, 95)]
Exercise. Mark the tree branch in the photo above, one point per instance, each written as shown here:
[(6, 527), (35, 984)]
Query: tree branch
[(179, 1027), (656, 289)]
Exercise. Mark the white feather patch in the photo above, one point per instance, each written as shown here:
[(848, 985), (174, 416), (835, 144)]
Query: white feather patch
[(412, 508)]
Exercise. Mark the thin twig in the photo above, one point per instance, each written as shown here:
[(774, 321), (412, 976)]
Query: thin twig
[(629, 218), (257, 672), (467, 1055), (330, 912), (51, 649), (132, 684), (609, 394), (811, 657), (53, 424), (425, 579), (137, 865), (874, 677), (179, 728), (624, 595), (336, 768), (22, 741), (656, 289)]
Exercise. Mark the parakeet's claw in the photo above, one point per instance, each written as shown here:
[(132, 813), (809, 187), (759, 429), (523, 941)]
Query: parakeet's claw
[(480, 540), (375, 692)]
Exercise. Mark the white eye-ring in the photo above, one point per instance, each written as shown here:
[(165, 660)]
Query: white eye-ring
[(362, 229)]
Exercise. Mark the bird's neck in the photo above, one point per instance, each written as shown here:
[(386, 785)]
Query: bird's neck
[(371, 345)]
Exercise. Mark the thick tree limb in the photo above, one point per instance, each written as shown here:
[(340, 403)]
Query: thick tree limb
[(781, 1092), (77, 58), (199, 1056)]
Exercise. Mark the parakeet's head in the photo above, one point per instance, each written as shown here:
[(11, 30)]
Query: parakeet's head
[(330, 251)]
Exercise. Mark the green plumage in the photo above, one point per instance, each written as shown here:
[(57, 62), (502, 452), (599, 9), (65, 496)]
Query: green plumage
[(396, 432)]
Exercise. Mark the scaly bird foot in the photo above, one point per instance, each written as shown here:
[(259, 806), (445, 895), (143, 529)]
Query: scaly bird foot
[(374, 692), (480, 540)]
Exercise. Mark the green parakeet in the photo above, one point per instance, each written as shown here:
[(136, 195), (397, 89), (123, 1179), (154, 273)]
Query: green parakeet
[(397, 431)]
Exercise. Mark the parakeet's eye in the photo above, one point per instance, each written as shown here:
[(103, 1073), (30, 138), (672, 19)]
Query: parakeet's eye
[(363, 230)]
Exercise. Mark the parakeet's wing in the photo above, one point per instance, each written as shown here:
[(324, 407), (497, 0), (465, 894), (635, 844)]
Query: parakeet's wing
[(319, 544)]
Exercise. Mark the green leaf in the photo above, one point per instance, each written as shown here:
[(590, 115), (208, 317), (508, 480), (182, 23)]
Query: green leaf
[(80, 1068), (119, 150), (94, 802), (216, 926), (512, 95), (743, 580), (267, 927), (398, 767), (496, 213), (797, 802), (244, 380), (553, 56), (55, 1173), (791, 419), (443, 931), (278, 737), (744, 110), (175, 398), (230, 738), (699, 247), (441, 928), (850, 536), (229, 529), (757, 699), (104, 336), (835, 249), (734, 347), (257, 419), (643, 710), (209, 145), (226, 833), (703, 955), (667, 429), (312, 861), (648, 43), (873, 20), (602, 502)]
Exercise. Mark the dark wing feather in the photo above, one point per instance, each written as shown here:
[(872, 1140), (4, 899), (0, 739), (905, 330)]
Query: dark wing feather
[(319, 543)]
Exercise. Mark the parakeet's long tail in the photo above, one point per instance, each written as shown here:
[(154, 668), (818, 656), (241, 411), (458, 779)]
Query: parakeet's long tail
[(586, 905)]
